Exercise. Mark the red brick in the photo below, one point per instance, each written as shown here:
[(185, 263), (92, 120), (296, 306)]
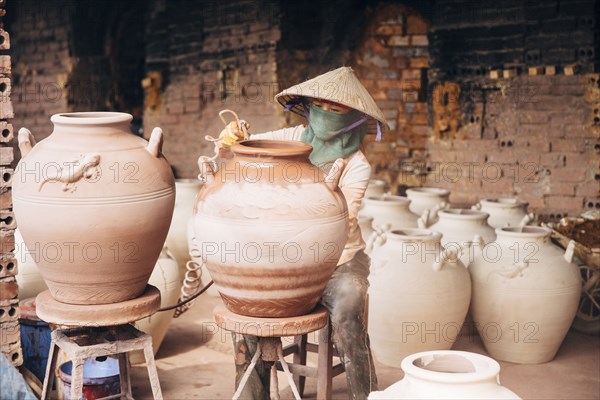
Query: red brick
[(6, 155), (389, 84), (533, 117), (570, 174), (552, 160), (419, 62), (398, 41), (388, 30), (578, 131), (8, 289), (6, 132), (411, 74), (8, 266), (419, 40), (416, 25), (570, 145), (566, 203), (5, 199), (560, 188), (588, 189)]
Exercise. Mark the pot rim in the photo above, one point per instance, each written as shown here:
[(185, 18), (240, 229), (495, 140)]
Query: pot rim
[(414, 235), (463, 214), (91, 118), (271, 148), (428, 191), (504, 202), (388, 199), (485, 368), (523, 232)]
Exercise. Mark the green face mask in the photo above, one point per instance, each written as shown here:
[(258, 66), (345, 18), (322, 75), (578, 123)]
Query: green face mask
[(328, 134)]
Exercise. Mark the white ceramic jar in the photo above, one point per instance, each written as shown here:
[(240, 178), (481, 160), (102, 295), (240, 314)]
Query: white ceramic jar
[(30, 280), (525, 294), (186, 191), (505, 212), (459, 227), (389, 210), (447, 374), (419, 295), (428, 198)]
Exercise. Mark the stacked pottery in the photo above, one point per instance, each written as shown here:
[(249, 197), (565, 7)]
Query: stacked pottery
[(96, 201), (505, 212), (185, 197), (428, 198), (447, 374), (419, 295), (270, 227), (392, 211), (459, 227), (525, 295)]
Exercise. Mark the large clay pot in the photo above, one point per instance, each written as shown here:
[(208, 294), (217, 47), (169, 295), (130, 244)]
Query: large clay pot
[(428, 198), (505, 212), (448, 374), (390, 210), (525, 295), (270, 228), (30, 281), (95, 201), (459, 227), (419, 295), (185, 198), (167, 278)]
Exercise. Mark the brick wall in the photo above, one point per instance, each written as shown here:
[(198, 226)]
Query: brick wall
[(392, 60), (527, 118), (201, 60), (10, 339)]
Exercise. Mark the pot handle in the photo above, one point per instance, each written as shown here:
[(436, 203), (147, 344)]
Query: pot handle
[(439, 206), (207, 168), (26, 141), (423, 221), (527, 219), (156, 142), (570, 251), (478, 243), (377, 238), (476, 207), (332, 179), (446, 256)]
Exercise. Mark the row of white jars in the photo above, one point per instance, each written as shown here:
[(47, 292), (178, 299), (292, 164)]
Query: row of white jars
[(524, 294)]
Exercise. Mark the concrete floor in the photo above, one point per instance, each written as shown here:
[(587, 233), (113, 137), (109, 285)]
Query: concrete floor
[(195, 361)]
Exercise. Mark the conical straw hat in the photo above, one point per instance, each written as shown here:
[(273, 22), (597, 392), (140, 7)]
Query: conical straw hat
[(340, 86)]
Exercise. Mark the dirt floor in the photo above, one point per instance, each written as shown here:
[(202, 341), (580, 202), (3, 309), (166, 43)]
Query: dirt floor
[(195, 361)]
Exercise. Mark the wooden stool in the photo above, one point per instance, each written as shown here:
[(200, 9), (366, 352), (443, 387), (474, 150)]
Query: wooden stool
[(102, 330), (269, 332)]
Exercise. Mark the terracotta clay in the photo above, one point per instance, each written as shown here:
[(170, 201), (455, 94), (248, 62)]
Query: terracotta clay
[(94, 202), (270, 227)]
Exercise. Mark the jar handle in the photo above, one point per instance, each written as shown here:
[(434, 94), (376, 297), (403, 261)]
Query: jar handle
[(332, 179), (26, 141), (570, 251), (470, 246), (446, 255), (207, 168), (377, 238), (476, 207), (423, 221), (527, 219), (156, 142)]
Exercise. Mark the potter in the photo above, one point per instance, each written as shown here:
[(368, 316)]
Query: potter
[(336, 125)]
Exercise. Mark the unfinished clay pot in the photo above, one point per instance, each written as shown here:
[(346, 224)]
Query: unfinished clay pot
[(428, 198), (525, 294), (95, 202), (419, 295), (506, 211), (270, 227), (447, 374), (391, 211)]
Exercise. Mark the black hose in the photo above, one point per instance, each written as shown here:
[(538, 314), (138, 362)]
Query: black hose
[(209, 284)]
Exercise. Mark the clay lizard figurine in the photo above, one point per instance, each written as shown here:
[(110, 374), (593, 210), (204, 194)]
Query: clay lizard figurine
[(85, 167)]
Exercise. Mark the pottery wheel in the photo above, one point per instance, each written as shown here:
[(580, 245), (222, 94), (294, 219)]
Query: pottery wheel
[(52, 311)]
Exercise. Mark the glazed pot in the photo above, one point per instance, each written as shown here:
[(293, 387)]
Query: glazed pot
[(448, 374), (167, 278), (270, 227), (428, 198), (419, 295), (505, 212), (525, 295), (185, 198), (459, 227), (95, 202), (390, 211)]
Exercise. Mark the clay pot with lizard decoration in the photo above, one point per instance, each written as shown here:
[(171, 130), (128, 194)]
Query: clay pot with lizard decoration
[(270, 227), (93, 203)]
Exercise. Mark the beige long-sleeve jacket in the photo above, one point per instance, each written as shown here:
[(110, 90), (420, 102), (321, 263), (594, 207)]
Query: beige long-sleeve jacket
[(353, 184)]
